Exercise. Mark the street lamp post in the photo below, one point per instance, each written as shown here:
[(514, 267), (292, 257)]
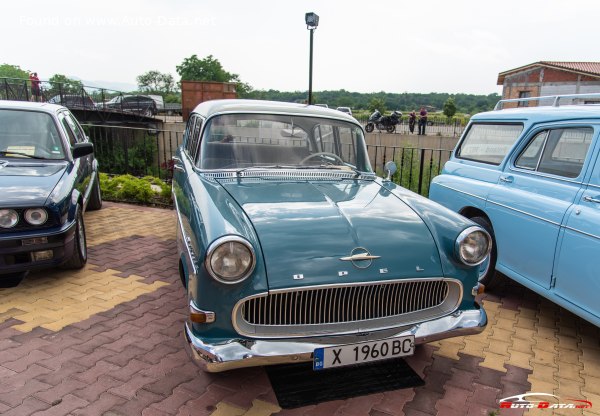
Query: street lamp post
[(312, 21)]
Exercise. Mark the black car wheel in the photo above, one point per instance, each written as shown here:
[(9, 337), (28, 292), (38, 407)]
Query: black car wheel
[(11, 279), (95, 202), (79, 257)]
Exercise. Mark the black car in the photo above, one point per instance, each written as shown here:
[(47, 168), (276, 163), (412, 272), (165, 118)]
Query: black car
[(48, 178), (138, 104)]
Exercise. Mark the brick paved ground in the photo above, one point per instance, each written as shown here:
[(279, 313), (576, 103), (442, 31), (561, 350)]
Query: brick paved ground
[(106, 340)]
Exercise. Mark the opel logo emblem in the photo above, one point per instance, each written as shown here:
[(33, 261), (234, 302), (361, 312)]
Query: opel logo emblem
[(360, 257)]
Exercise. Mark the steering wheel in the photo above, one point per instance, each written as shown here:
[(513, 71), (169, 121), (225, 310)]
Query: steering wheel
[(319, 154)]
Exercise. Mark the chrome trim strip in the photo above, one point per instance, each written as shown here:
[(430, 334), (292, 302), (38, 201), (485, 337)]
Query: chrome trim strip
[(461, 191), (524, 213), (583, 232), (240, 353), (186, 239), (403, 316), (234, 175)]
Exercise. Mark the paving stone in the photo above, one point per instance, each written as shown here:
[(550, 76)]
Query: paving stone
[(17, 396), (68, 404), (29, 406), (393, 401), (204, 404), (454, 398)]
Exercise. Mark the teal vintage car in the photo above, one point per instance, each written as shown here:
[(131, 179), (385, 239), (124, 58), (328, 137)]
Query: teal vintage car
[(291, 249)]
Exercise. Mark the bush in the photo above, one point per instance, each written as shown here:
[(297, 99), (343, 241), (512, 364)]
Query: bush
[(128, 188)]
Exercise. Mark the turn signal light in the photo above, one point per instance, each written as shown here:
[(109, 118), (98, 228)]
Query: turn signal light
[(199, 316)]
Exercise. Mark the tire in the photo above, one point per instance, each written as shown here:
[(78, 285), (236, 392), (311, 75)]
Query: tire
[(369, 127), (79, 257), (95, 202), (390, 129), (11, 279), (488, 276)]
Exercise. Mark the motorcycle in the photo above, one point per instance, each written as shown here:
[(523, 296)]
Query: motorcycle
[(387, 123)]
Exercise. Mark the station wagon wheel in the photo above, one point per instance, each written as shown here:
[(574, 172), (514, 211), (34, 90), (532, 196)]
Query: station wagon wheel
[(487, 269), (320, 154), (79, 257)]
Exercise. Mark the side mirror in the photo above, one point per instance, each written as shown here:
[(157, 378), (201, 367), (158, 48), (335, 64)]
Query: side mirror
[(389, 169), (82, 149)]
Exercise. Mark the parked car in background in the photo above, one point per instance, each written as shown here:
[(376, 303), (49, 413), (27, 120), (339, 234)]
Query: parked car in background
[(73, 101), (291, 249), (322, 105), (531, 177), (138, 104), (48, 178), (346, 110)]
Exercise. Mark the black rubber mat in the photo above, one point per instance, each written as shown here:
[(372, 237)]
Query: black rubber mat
[(297, 385)]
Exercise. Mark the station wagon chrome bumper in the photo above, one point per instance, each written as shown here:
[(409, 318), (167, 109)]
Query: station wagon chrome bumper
[(239, 353)]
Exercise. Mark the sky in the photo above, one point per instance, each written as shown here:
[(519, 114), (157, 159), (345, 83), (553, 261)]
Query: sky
[(399, 46)]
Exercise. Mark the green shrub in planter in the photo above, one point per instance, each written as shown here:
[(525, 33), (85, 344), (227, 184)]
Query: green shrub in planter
[(128, 188)]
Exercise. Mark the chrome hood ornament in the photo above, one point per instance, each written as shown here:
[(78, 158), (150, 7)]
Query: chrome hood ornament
[(360, 257)]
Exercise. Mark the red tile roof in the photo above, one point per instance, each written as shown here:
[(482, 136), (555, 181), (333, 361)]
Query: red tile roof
[(587, 68)]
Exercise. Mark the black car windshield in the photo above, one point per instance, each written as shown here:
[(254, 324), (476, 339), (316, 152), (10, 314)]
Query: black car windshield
[(29, 134), (235, 141)]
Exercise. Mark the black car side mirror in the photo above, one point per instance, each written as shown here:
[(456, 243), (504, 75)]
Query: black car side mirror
[(82, 149)]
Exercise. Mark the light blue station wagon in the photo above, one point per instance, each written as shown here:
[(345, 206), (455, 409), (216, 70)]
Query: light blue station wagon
[(291, 249), (531, 177)]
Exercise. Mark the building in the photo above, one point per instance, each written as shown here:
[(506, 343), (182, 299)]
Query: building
[(550, 78)]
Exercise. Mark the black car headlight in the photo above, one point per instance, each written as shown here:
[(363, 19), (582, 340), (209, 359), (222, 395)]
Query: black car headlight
[(8, 218), (36, 216), (230, 259), (473, 245)]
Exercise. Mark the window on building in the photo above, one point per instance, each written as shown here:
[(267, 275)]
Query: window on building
[(524, 94)]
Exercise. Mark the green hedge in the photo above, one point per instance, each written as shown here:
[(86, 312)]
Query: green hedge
[(128, 188)]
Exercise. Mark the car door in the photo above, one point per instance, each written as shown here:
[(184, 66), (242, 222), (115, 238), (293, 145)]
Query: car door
[(83, 165), (185, 203), (528, 204), (576, 274)]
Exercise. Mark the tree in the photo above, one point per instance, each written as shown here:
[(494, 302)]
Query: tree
[(156, 82), (449, 107), (13, 71), (210, 69), (377, 103), (61, 84)]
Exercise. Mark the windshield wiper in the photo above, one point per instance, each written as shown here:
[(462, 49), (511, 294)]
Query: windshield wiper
[(258, 167), (8, 154)]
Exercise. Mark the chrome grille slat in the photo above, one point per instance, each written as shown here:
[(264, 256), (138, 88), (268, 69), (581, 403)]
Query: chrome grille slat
[(326, 306)]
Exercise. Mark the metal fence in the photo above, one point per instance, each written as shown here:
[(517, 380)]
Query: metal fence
[(141, 152), (135, 151), (436, 125)]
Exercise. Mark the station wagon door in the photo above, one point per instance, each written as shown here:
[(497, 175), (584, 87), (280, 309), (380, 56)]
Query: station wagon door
[(577, 273), (528, 205)]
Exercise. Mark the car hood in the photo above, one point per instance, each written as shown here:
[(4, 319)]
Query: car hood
[(305, 229), (28, 183)]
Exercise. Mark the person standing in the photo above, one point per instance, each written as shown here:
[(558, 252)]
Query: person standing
[(422, 121), (412, 119), (35, 87)]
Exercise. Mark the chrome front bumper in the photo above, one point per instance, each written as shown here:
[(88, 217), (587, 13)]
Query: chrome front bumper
[(239, 353)]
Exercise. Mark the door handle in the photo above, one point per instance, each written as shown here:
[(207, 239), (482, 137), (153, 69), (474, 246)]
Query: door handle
[(506, 179), (175, 159), (178, 167), (590, 199)]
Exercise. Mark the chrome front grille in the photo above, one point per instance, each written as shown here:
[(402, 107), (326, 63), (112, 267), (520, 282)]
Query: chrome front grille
[(346, 308)]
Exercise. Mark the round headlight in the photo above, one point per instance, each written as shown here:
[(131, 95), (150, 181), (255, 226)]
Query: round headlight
[(230, 259), (473, 245), (8, 218), (36, 216)]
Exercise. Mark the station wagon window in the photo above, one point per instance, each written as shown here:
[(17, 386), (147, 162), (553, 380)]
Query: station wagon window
[(558, 152), (488, 143)]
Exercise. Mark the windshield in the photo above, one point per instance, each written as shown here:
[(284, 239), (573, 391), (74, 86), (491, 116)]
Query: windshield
[(29, 134), (236, 141)]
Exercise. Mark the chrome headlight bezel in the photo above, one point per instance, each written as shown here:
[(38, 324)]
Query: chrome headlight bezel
[(27, 215), (220, 243), (464, 238), (11, 215)]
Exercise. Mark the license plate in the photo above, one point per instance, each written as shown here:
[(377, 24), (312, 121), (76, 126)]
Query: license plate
[(363, 352)]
